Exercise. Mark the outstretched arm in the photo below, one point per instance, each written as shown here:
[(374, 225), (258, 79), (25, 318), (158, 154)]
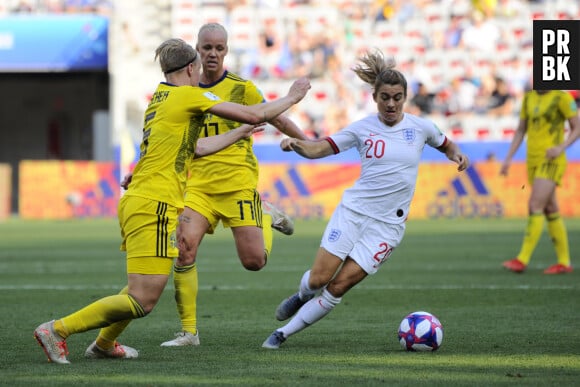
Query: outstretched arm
[(208, 145), (262, 112), (310, 149), (288, 127)]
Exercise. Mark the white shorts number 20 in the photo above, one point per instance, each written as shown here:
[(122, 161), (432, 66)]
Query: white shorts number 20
[(367, 241)]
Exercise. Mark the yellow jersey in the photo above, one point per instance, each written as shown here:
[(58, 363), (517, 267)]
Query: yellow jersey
[(235, 167), (172, 124), (546, 115)]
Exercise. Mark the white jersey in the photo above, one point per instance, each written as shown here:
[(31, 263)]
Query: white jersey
[(390, 159)]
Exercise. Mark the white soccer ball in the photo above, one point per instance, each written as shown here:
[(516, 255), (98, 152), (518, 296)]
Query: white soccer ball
[(420, 331), (74, 198)]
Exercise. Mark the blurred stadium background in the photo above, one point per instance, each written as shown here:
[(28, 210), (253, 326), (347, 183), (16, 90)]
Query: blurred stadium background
[(76, 77)]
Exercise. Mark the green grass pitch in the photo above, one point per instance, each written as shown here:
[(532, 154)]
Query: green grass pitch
[(501, 329)]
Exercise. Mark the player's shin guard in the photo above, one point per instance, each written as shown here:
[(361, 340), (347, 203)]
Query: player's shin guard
[(559, 235), (313, 311), (267, 234), (99, 314), (319, 307), (531, 237), (108, 335), (186, 288)]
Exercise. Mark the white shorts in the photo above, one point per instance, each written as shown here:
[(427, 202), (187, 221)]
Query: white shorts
[(367, 241)]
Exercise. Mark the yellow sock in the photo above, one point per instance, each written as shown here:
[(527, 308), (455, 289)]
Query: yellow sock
[(108, 335), (559, 235), (531, 237), (186, 287), (267, 233), (99, 314)]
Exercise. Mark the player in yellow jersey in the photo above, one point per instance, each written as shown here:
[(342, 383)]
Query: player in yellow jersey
[(543, 117), (223, 186), (149, 209)]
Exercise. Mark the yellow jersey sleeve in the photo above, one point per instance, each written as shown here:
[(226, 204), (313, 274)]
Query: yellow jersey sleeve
[(172, 124)]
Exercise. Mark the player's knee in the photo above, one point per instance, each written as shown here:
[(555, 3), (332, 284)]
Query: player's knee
[(145, 305), (185, 260), (253, 266), (148, 308), (316, 282), (187, 255), (253, 263), (551, 209), (537, 205), (337, 289)]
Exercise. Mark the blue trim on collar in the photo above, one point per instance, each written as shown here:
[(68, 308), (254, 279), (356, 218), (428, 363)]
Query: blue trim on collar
[(207, 86)]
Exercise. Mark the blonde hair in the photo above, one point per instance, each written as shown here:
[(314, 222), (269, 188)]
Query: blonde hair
[(212, 27), (376, 70), (174, 54)]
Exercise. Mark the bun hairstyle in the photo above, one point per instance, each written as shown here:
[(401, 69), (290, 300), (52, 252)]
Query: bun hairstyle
[(376, 70), (175, 54)]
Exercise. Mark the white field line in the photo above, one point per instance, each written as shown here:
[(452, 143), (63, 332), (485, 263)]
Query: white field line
[(21, 287)]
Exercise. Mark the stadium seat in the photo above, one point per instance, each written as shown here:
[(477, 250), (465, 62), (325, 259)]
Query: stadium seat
[(507, 126), (243, 32), (434, 13), (412, 38), (457, 133), (212, 15), (507, 133), (384, 30), (483, 133)]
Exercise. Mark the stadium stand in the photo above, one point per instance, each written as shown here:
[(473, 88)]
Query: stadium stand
[(274, 41)]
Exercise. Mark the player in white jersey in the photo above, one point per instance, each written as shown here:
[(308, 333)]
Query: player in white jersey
[(369, 222)]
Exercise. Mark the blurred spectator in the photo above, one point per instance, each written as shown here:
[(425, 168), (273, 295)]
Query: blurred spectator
[(511, 9), (392, 10), (486, 7), (325, 44), (53, 6), (338, 113), (298, 43), (269, 40), (416, 73), (301, 45), (481, 35), (515, 74), (382, 10), (304, 121), (295, 3), (276, 4), (267, 60), (98, 7), (23, 7), (452, 35), (132, 44), (78, 6), (501, 101), (422, 102), (461, 97)]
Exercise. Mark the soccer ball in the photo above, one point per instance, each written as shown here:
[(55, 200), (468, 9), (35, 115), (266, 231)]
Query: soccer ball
[(420, 331)]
